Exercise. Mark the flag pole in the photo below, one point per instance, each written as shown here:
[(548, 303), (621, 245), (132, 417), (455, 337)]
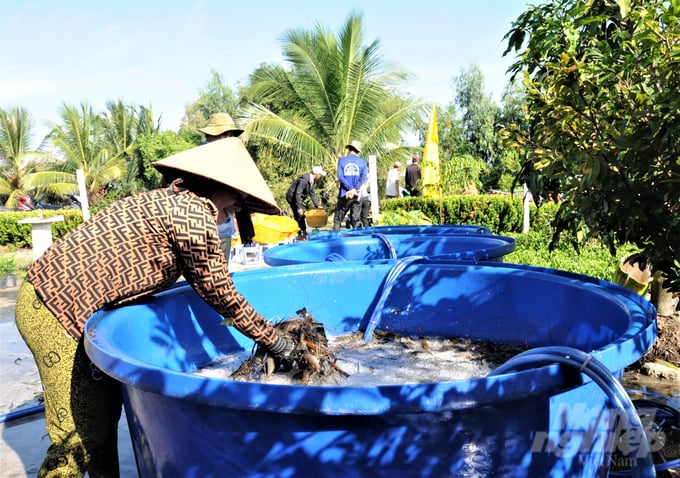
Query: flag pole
[(431, 179)]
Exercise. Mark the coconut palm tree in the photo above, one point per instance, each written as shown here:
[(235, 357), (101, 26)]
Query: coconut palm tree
[(81, 140), (336, 90), (120, 127), (17, 162), (123, 126)]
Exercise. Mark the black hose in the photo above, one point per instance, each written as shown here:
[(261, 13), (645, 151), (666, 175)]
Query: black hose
[(593, 368)]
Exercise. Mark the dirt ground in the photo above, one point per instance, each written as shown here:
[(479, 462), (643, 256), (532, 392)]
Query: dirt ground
[(667, 344)]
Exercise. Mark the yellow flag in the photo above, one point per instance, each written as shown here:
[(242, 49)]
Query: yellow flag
[(431, 186)]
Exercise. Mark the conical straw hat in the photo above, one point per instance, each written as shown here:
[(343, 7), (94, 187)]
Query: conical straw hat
[(225, 161)]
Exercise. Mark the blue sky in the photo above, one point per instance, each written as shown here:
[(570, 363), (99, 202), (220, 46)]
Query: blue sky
[(160, 53)]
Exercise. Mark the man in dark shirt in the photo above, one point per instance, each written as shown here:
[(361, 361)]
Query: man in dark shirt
[(302, 188), (413, 177)]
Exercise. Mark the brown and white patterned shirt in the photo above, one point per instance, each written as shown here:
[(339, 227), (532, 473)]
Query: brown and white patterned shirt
[(140, 245)]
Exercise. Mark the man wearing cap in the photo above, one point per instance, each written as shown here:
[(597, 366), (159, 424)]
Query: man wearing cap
[(352, 173), (413, 177), (302, 188), (138, 246), (392, 184)]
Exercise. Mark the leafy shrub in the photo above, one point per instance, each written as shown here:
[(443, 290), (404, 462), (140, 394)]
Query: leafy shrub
[(7, 264), (19, 235), (403, 218), (500, 213), (593, 258)]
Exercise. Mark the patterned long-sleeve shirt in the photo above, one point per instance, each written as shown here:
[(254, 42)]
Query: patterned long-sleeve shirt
[(140, 245)]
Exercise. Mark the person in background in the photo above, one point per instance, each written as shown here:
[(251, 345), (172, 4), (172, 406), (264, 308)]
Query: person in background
[(362, 207), (392, 184), (138, 246), (220, 126), (226, 231), (352, 173), (298, 191), (24, 203), (413, 177)]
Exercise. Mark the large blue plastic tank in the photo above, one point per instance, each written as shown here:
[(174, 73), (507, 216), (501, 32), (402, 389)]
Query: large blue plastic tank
[(391, 245), (406, 229), (544, 421)]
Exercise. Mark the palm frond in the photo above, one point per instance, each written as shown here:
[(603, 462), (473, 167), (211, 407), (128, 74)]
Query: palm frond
[(333, 90)]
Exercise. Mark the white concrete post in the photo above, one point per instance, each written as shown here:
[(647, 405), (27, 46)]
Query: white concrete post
[(41, 232), (525, 218), (84, 203), (373, 184)]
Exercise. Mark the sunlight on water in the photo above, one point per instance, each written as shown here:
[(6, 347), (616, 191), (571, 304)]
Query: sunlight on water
[(387, 360)]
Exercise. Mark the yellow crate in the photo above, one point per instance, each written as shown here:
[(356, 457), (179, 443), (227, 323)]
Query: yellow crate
[(273, 229), (316, 218)]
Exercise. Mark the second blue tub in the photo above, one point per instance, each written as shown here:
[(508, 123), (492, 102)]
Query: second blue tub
[(376, 246)]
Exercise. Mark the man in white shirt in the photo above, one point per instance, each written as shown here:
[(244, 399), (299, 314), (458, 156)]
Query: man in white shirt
[(392, 185)]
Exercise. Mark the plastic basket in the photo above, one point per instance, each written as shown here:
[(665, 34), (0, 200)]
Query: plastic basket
[(273, 229), (316, 218)]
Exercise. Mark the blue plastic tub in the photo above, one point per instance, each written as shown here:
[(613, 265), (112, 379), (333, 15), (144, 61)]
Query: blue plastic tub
[(545, 420), (410, 229), (377, 246)]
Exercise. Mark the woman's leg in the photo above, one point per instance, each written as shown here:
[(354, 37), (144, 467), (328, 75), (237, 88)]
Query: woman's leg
[(82, 405)]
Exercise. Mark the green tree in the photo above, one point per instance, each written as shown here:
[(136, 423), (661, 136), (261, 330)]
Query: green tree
[(154, 147), (450, 132), (123, 126), (17, 161), (81, 139), (462, 173), (513, 115), (120, 128), (478, 114), (335, 90), (216, 97), (602, 79)]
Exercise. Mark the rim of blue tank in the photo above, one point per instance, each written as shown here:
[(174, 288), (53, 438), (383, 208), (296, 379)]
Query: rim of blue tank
[(379, 399)]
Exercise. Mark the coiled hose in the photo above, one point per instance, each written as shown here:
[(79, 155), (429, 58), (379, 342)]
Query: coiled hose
[(587, 364)]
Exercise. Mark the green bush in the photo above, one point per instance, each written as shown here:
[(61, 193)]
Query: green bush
[(13, 233), (19, 235), (403, 218), (7, 265), (500, 213), (593, 258)]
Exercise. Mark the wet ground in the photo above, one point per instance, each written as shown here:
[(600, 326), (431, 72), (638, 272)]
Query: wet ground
[(23, 440)]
